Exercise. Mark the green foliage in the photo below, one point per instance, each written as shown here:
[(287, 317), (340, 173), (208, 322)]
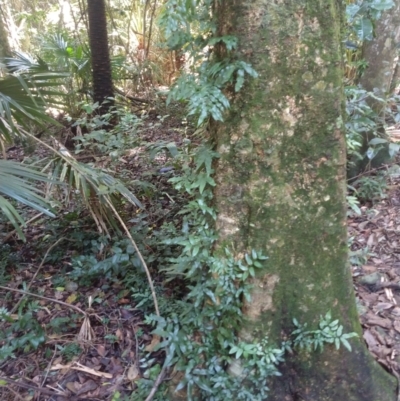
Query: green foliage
[(189, 25), (117, 259), (363, 121), (203, 89), (61, 324), (66, 54), (104, 139), (200, 334), (361, 15), (6, 257), (16, 183), (328, 332), (23, 99), (358, 257), (20, 333), (70, 351), (365, 133), (354, 204), (145, 384), (371, 187)]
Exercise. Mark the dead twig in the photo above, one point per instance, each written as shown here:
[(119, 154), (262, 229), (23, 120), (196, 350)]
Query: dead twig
[(45, 298), (18, 397), (34, 388), (156, 384)]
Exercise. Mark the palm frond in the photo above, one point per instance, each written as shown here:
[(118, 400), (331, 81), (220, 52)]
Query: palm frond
[(18, 182), (23, 99), (23, 62), (97, 189)]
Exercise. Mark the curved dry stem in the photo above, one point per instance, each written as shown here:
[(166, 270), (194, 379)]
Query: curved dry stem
[(146, 269)]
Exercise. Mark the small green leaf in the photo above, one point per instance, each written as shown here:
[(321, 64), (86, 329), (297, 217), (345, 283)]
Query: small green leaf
[(248, 259), (337, 343), (345, 343)]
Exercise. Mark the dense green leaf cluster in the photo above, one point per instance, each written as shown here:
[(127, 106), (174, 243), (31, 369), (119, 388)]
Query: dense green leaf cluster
[(361, 15), (189, 27)]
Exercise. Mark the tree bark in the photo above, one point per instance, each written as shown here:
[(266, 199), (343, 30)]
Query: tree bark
[(281, 190), (5, 49), (101, 65), (381, 53)]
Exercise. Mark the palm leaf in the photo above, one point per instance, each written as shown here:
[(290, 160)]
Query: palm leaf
[(97, 188), (23, 100), (23, 62), (16, 183)]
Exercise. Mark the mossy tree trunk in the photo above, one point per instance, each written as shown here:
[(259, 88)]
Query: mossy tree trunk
[(281, 190)]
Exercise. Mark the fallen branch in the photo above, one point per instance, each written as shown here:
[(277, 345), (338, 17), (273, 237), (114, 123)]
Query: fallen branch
[(45, 298), (34, 388)]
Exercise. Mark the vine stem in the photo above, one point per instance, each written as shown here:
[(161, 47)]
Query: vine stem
[(146, 269)]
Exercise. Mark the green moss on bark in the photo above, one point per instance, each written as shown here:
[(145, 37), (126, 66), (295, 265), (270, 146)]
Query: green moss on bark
[(281, 176)]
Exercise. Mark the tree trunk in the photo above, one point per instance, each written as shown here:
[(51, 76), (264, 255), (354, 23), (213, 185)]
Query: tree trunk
[(5, 50), (281, 190), (381, 52), (101, 65)]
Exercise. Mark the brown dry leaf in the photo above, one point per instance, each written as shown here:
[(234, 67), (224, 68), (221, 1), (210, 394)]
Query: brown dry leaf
[(101, 349), (133, 373), (126, 314), (120, 335), (368, 298), (369, 268), (155, 341), (361, 226), (124, 301), (396, 325), (371, 240), (384, 351), (370, 339), (90, 385), (115, 366), (380, 306), (378, 321), (73, 387)]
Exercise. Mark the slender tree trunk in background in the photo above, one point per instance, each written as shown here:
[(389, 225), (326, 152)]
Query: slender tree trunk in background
[(381, 52), (281, 190), (5, 49), (101, 65)]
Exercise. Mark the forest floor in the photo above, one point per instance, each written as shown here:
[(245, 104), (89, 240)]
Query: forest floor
[(83, 337), (375, 264), (91, 327)]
